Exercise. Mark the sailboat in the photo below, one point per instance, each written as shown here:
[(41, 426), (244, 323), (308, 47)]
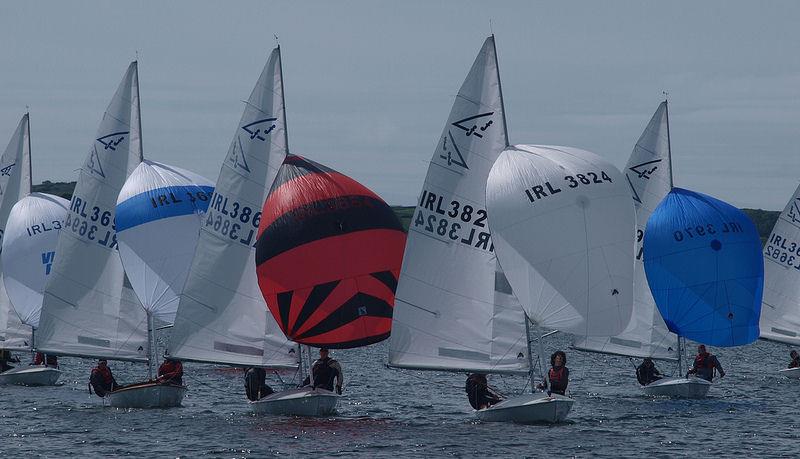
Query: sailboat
[(780, 310), (29, 249), (89, 309), (454, 308), (703, 262), (222, 317), (649, 175), (158, 217), (15, 184), (328, 257)]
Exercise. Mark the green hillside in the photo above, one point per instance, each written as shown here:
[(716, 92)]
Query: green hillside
[(764, 219)]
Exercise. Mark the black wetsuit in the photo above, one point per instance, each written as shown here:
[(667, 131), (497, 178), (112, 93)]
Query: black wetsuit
[(255, 384), (325, 373), (479, 394), (647, 374)]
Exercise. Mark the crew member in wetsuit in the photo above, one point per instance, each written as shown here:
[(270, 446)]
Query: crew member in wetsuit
[(479, 393), (558, 376), (49, 360), (255, 384), (5, 358), (325, 370), (795, 363), (647, 372), (704, 365), (170, 372), (102, 380)]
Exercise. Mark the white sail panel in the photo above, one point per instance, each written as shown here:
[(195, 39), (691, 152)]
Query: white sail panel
[(649, 176), (454, 309), (780, 308), (564, 214), (158, 216), (29, 251), (89, 308), (14, 335), (222, 316)]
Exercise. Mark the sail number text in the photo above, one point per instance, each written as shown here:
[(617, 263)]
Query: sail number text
[(782, 250), (706, 230), (232, 220), (539, 192), (91, 222), (450, 220)]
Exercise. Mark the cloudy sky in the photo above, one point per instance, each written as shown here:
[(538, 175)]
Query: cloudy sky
[(369, 84)]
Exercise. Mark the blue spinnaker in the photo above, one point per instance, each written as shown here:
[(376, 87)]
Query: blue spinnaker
[(704, 265)]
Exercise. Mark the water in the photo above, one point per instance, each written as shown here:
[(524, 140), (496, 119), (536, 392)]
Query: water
[(393, 413)]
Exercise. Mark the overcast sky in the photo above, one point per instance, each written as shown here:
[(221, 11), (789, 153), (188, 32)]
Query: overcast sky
[(369, 84)]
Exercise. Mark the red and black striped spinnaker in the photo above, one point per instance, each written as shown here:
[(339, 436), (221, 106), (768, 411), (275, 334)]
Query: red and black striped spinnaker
[(328, 257)]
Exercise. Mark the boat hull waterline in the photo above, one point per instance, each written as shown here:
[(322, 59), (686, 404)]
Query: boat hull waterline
[(303, 401), (148, 395), (529, 409), (691, 387), (793, 373), (34, 375)]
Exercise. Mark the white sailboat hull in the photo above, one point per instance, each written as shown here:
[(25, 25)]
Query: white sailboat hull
[(793, 373), (529, 409), (147, 395), (33, 375), (303, 401), (691, 387)]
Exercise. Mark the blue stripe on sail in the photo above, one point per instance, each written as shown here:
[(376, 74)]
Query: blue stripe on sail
[(159, 203)]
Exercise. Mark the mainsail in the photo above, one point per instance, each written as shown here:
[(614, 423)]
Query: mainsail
[(222, 316), (89, 309), (159, 212), (454, 308), (29, 250), (328, 255), (780, 310), (15, 183), (565, 215), (649, 175), (704, 265)]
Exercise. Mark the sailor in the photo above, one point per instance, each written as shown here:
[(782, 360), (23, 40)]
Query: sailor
[(704, 365), (558, 376), (647, 372), (170, 372), (102, 380), (5, 358), (479, 393), (795, 363), (46, 360), (325, 370), (255, 384)]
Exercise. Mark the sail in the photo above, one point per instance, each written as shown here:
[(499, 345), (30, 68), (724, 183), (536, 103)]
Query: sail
[(454, 309), (29, 250), (565, 215), (159, 212), (704, 265), (328, 256), (648, 173), (89, 308), (780, 310), (15, 183), (222, 316)]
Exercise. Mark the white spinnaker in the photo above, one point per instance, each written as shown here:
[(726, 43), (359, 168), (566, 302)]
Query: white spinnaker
[(566, 215), (454, 309), (15, 183), (29, 250), (649, 176), (159, 212), (222, 316), (780, 308), (89, 309)]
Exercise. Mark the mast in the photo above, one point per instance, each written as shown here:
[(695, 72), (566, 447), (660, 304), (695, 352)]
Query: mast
[(669, 145), (499, 89), (530, 356), (30, 169), (150, 347), (283, 103), (139, 113)]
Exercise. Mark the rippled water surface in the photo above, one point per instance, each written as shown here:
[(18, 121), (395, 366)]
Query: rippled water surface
[(398, 413)]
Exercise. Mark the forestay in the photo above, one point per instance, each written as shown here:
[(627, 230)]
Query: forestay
[(780, 310), (29, 250), (328, 256), (565, 215), (89, 308), (222, 316), (159, 212), (454, 309), (704, 265), (649, 176), (15, 183)]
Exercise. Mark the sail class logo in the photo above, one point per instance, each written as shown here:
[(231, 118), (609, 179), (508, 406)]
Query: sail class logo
[(260, 129), (644, 170), (93, 164), (47, 261), (451, 153), (479, 124), (794, 211), (111, 141), (7, 170), (237, 157)]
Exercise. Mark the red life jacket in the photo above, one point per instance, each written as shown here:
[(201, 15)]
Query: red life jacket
[(171, 369), (556, 376), (105, 373), (703, 361)]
